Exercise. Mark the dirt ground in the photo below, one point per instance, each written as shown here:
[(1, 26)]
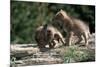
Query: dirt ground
[(30, 54)]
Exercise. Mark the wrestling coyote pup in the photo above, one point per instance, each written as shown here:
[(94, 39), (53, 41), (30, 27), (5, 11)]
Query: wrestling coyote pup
[(72, 26), (46, 35)]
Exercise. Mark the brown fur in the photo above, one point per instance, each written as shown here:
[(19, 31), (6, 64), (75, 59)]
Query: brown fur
[(73, 26), (47, 35)]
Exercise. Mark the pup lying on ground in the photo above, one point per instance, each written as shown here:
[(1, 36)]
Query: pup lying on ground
[(46, 35), (73, 26)]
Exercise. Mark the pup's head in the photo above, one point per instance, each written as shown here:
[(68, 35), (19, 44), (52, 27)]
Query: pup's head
[(59, 18)]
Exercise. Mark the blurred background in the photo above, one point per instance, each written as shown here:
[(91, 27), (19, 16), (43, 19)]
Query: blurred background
[(27, 16)]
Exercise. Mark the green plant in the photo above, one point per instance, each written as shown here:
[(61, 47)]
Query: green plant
[(74, 54)]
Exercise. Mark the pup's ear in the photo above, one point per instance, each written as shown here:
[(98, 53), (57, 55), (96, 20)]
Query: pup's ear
[(64, 13), (61, 10)]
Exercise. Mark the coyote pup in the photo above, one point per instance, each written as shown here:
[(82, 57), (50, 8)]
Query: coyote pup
[(72, 26), (46, 35)]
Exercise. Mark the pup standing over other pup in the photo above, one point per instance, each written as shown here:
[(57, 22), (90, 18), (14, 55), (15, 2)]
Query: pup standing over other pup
[(73, 26)]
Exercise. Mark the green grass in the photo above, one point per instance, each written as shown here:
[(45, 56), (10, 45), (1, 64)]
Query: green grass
[(75, 54)]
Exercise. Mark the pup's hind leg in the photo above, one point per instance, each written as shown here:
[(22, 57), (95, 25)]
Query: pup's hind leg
[(85, 35)]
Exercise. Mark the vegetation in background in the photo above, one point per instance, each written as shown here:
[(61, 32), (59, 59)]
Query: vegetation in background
[(27, 16)]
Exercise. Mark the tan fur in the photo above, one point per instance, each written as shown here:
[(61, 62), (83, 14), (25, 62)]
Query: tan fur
[(48, 36), (73, 26)]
